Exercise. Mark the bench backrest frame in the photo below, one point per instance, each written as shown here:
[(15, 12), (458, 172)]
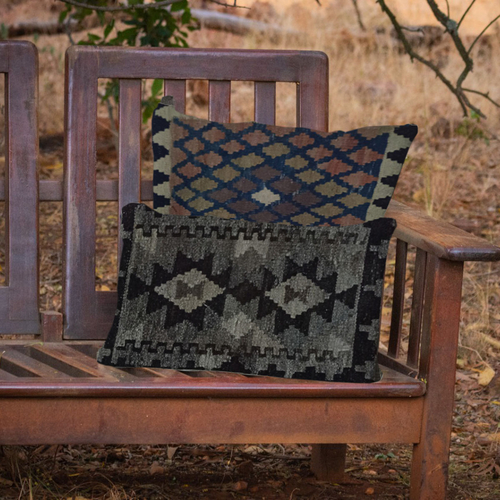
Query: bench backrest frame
[(19, 308), (88, 313)]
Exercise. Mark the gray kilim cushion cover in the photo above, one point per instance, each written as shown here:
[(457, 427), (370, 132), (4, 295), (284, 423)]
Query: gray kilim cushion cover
[(259, 298), (266, 173)]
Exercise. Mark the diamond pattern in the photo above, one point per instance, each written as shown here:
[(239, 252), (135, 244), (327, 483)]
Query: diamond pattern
[(297, 295), (266, 196), (190, 290)]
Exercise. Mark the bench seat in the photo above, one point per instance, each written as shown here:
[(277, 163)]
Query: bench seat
[(57, 369), (63, 396)]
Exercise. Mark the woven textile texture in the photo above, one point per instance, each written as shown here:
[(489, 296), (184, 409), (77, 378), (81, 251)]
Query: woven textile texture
[(267, 173), (260, 298), (162, 145)]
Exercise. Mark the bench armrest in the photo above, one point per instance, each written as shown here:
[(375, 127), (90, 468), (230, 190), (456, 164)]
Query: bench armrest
[(439, 238)]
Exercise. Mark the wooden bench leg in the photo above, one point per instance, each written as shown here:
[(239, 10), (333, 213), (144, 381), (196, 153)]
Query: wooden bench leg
[(328, 462), (429, 472)]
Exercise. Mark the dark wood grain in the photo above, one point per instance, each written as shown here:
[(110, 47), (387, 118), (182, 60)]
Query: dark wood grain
[(52, 326), (144, 420), (328, 462), (417, 307), (79, 300), (439, 238), (129, 146), (219, 101), (94, 380), (177, 89), (441, 319), (20, 364), (209, 64), (56, 392), (265, 102), (398, 300), (19, 313)]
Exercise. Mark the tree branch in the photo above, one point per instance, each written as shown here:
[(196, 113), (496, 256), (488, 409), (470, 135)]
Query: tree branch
[(447, 8), (414, 55), (465, 13), (451, 27), (358, 14), (139, 6), (486, 95), (119, 8), (482, 33)]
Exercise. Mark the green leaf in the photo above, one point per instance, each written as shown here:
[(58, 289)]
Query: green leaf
[(108, 28), (148, 108), (4, 32), (186, 16), (93, 38), (474, 115), (126, 35), (157, 86), (177, 6), (147, 113), (63, 15)]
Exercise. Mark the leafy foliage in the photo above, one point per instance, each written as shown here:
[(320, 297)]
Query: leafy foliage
[(471, 128), (151, 27)]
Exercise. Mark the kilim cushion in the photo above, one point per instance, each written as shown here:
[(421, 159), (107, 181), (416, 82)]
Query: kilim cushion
[(267, 173), (232, 295)]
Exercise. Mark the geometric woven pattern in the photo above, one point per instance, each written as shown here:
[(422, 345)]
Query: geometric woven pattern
[(267, 173), (260, 298)]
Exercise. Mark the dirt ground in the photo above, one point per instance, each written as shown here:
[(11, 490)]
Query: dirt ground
[(452, 172)]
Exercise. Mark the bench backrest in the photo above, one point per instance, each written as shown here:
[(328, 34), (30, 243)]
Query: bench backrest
[(88, 313), (19, 188)]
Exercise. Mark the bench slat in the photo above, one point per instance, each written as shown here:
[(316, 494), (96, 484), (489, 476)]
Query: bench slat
[(177, 89), (129, 149), (78, 364), (398, 301), (18, 363), (265, 102), (219, 101), (86, 353), (417, 308), (170, 383), (4, 375), (79, 200)]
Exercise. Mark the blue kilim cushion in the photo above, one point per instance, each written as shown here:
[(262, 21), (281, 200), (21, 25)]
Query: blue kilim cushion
[(266, 173)]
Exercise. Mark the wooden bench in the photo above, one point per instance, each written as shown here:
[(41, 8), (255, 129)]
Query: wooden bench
[(51, 388)]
